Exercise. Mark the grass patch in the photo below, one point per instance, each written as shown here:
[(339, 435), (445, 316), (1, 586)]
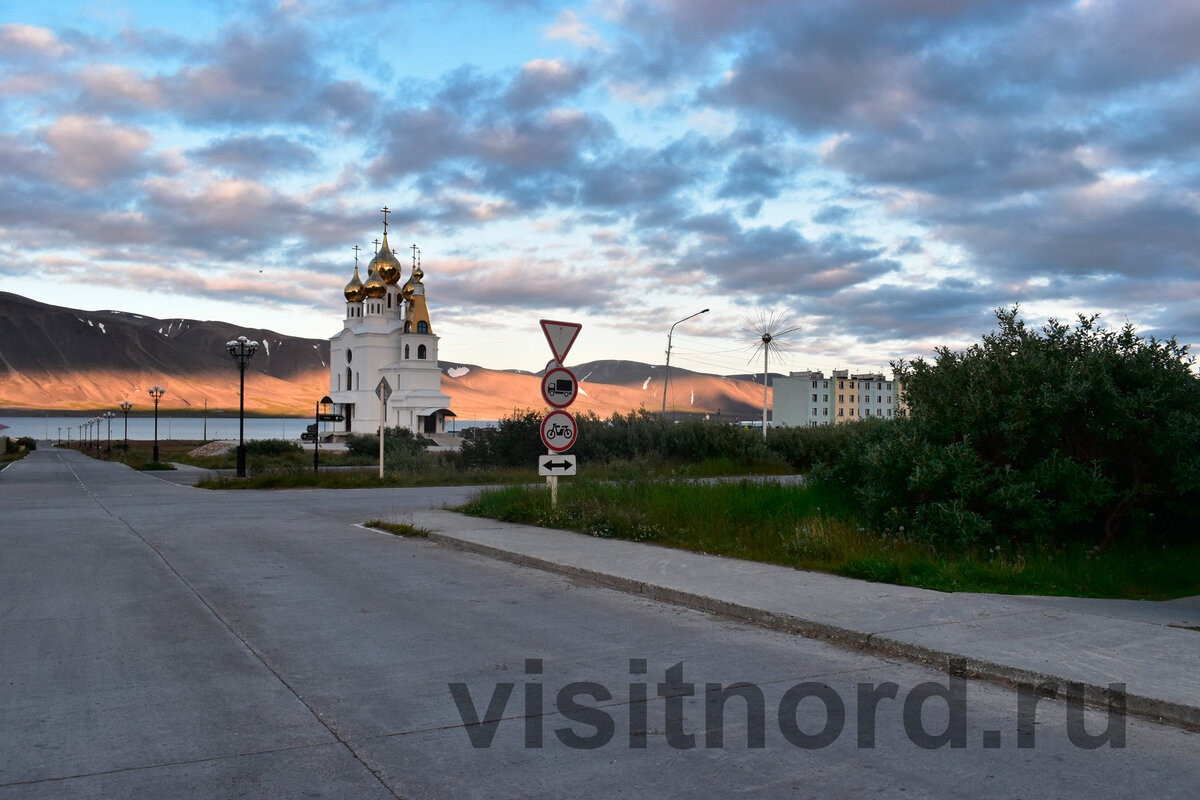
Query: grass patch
[(805, 528), (398, 528)]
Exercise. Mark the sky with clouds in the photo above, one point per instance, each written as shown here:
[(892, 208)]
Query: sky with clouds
[(885, 173)]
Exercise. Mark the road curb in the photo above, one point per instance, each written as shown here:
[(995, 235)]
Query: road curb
[(1044, 684)]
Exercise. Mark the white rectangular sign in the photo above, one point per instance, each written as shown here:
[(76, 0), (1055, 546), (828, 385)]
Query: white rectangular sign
[(550, 466)]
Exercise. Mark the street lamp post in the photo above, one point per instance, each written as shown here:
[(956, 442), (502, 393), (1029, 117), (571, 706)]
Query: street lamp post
[(242, 350), (667, 379), (156, 392), (125, 406), (108, 415), (324, 401)]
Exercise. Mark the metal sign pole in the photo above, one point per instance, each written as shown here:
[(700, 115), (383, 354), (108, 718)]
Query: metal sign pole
[(382, 426)]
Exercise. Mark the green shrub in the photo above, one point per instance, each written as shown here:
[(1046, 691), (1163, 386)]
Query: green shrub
[(402, 449), (271, 447), (1063, 432)]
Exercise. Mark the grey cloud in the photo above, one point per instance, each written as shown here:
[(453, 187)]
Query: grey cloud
[(256, 155), (751, 176)]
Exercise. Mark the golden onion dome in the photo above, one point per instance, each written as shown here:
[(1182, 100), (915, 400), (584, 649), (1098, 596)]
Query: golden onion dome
[(385, 263), (355, 291), (409, 286), (374, 288)]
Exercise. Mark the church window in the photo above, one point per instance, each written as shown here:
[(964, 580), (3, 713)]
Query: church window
[(349, 355), (406, 351), (389, 299), (421, 351), (348, 384), (422, 327), (356, 383), (407, 326)]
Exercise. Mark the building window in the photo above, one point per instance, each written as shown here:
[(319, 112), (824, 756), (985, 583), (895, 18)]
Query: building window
[(840, 410), (814, 398), (852, 412), (422, 327), (824, 398), (889, 399), (878, 398), (407, 327), (406, 351), (841, 384), (814, 412), (349, 355), (889, 412), (421, 351), (389, 299), (348, 384), (841, 398), (824, 412), (814, 384), (824, 384), (851, 384)]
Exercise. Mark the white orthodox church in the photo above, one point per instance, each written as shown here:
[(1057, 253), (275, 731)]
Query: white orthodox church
[(387, 335)]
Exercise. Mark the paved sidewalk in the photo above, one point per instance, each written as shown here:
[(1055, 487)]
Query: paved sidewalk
[(1068, 646)]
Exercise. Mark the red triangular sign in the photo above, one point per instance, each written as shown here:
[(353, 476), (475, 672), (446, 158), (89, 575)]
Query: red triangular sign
[(560, 335)]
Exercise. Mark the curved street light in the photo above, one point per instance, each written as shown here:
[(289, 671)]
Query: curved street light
[(667, 379), (324, 401), (242, 350), (156, 392)]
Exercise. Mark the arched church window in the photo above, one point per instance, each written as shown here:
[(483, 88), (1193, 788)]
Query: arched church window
[(407, 326), (356, 384), (421, 351), (406, 351), (389, 299), (348, 384), (422, 327)]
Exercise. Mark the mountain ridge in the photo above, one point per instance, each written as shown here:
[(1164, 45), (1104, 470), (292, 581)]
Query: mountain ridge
[(64, 359)]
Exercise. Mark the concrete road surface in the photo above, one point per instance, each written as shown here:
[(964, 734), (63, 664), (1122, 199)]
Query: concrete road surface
[(158, 640)]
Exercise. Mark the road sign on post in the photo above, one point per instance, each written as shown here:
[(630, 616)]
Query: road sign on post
[(559, 387), (558, 431), (559, 390), (560, 335), (383, 391), (553, 466)]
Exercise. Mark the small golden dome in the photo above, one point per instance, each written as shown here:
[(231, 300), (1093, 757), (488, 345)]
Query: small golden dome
[(374, 288), (385, 263), (407, 290), (355, 291)]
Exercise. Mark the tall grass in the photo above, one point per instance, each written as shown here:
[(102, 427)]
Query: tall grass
[(809, 528)]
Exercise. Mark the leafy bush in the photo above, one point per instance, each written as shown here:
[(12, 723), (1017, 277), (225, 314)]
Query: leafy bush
[(271, 447), (402, 449), (1036, 434)]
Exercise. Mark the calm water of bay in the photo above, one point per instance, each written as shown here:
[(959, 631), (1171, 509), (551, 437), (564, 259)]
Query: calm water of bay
[(191, 428)]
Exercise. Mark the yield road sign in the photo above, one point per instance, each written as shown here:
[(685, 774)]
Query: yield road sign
[(560, 335), (384, 390), (558, 431), (559, 387), (549, 466)]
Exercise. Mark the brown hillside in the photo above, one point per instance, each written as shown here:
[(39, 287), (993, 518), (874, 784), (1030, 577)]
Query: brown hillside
[(54, 358)]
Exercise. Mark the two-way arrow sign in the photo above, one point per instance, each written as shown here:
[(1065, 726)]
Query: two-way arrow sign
[(556, 465)]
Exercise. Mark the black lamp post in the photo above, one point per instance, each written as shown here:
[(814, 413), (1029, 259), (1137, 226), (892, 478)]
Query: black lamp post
[(242, 350), (156, 392), (125, 406), (667, 379), (108, 415), (324, 401)]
